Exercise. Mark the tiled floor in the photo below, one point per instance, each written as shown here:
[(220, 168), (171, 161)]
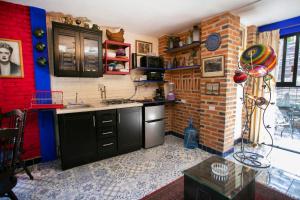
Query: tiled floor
[(284, 173), (130, 176)]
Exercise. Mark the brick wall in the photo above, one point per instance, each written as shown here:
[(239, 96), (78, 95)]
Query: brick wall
[(15, 92), (187, 87), (216, 126)]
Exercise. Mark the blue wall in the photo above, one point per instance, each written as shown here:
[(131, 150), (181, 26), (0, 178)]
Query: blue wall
[(42, 82)]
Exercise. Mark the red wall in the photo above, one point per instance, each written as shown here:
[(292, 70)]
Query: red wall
[(16, 93)]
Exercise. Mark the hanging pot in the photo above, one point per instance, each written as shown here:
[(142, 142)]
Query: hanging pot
[(239, 76)]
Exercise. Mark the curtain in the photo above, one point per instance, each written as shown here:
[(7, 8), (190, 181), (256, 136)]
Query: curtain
[(258, 133)]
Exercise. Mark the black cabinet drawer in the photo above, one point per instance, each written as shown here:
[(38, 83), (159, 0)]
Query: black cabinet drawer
[(106, 132), (106, 118), (107, 147)]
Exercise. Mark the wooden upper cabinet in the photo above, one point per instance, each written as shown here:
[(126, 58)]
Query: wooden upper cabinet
[(77, 51)]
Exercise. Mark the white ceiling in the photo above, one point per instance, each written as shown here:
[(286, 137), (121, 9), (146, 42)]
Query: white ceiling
[(159, 17)]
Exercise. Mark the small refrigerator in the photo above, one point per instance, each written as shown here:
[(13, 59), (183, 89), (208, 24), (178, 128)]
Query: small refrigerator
[(153, 125)]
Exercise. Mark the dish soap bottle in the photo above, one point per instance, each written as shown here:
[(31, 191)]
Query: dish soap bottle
[(190, 136)]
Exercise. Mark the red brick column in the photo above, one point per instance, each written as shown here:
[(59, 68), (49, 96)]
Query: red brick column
[(217, 126)]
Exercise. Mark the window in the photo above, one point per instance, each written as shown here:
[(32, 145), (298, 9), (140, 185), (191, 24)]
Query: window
[(289, 62)]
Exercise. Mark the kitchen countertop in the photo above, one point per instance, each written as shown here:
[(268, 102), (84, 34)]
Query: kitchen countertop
[(97, 107)]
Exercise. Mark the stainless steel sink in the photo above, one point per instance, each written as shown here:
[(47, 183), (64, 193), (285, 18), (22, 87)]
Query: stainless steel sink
[(73, 106)]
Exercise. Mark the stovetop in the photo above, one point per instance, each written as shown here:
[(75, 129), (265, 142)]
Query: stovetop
[(118, 101)]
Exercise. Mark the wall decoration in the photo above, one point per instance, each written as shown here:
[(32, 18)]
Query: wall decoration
[(143, 48), (40, 46), (212, 88), (42, 61), (213, 42), (213, 66), (11, 61), (39, 33)]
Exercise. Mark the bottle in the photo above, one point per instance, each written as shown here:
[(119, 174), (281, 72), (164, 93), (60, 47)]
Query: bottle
[(175, 62), (196, 34), (190, 136)]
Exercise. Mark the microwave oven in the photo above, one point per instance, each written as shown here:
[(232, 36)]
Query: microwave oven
[(152, 62), (155, 76)]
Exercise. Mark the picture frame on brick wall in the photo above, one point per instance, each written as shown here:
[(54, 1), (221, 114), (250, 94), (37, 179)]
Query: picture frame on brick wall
[(213, 66), (11, 60), (212, 88)]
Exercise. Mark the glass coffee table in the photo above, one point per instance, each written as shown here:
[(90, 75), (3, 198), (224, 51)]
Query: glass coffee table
[(201, 183)]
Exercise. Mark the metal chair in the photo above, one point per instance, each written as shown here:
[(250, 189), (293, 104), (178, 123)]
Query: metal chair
[(10, 139), (12, 120)]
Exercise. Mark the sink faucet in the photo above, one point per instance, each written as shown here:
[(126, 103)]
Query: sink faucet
[(102, 89)]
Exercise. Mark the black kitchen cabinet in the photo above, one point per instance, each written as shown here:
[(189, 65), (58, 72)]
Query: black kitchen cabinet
[(129, 129), (77, 51), (106, 133), (78, 140)]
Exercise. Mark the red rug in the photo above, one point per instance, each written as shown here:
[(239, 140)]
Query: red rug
[(174, 191)]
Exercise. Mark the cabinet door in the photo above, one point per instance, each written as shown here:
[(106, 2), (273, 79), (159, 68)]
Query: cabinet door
[(91, 55), (66, 52), (129, 129), (78, 140)]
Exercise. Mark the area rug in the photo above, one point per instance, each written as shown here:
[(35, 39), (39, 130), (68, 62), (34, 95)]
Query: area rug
[(174, 191)]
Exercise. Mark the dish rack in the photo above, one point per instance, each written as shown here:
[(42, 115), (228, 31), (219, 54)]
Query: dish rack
[(47, 100)]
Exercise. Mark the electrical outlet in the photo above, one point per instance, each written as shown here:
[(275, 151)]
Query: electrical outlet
[(211, 107)]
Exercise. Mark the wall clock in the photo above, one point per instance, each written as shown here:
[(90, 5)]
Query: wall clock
[(213, 42)]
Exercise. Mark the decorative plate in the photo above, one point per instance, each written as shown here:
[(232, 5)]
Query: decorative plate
[(213, 42)]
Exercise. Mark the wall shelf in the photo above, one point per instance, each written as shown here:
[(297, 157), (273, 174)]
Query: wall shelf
[(184, 48), (150, 81), (183, 68), (116, 73), (116, 59), (149, 69), (108, 44)]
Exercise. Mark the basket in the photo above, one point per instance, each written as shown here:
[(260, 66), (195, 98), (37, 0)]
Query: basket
[(219, 171), (47, 100), (118, 37)]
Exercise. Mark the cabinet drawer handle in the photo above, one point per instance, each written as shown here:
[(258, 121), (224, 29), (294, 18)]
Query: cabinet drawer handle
[(107, 121), (106, 133), (94, 121), (109, 144)]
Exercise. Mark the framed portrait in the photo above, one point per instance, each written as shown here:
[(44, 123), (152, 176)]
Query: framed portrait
[(142, 47), (213, 66), (11, 61), (212, 88)]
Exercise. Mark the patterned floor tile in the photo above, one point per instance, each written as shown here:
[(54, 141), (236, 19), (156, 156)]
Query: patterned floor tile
[(129, 176)]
